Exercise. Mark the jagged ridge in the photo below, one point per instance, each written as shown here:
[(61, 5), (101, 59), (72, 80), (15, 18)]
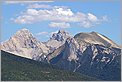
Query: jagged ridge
[(84, 53)]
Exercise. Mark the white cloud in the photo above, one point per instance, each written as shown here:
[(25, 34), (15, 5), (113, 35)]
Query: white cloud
[(39, 6), (26, 2), (46, 34), (25, 19), (66, 12), (86, 24), (59, 25), (32, 12), (42, 33), (92, 17), (64, 7), (60, 17), (104, 18)]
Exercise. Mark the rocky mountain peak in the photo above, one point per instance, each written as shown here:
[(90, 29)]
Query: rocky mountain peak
[(57, 39), (24, 38), (61, 35), (95, 38), (24, 44), (62, 31), (85, 52), (23, 33)]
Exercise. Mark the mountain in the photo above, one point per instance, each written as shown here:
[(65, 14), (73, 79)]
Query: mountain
[(87, 53), (24, 44), (16, 68), (95, 38), (68, 49), (92, 54), (57, 40)]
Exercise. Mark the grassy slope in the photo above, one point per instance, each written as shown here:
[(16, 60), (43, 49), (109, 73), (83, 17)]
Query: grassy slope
[(15, 68)]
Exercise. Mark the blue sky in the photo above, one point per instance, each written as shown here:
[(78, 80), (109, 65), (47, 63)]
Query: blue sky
[(44, 18)]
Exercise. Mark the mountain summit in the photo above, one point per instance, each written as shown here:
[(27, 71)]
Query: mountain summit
[(88, 53), (57, 40), (95, 38), (24, 44), (60, 36), (84, 53)]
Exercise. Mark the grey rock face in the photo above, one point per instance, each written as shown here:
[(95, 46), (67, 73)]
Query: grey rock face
[(60, 36), (95, 38), (24, 44), (68, 49), (57, 40), (87, 56), (89, 53)]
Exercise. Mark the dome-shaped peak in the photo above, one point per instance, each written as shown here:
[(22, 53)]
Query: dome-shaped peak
[(95, 38)]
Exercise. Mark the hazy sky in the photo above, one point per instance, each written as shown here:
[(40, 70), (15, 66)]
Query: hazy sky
[(45, 18)]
